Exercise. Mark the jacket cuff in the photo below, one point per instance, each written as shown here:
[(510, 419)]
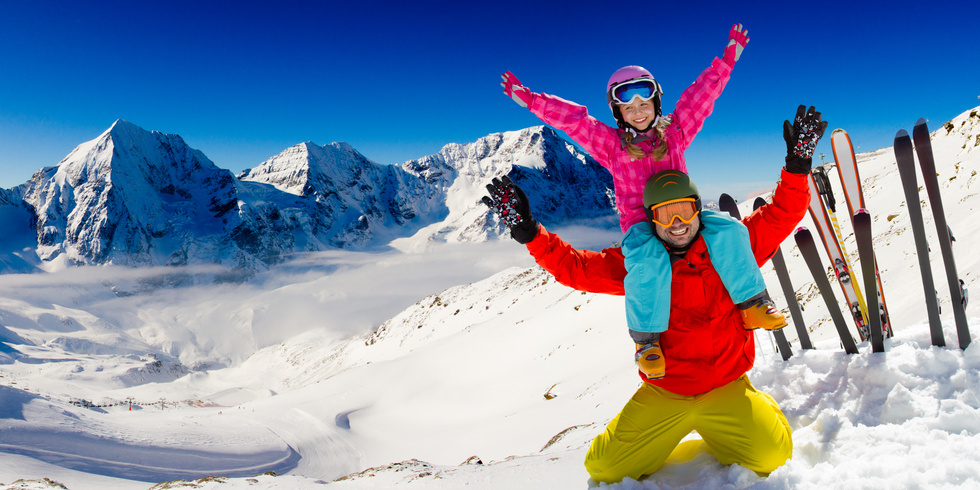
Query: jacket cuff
[(794, 180)]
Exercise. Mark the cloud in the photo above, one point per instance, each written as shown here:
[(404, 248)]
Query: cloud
[(335, 293), (87, 275)]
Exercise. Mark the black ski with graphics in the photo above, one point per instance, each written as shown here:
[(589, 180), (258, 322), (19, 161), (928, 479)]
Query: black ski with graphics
[(804, 240), (850, 180), (957, 289), (905, 159), (782, 272), (727, 204)]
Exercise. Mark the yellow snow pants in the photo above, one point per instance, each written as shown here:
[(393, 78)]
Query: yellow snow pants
[(737, 424)]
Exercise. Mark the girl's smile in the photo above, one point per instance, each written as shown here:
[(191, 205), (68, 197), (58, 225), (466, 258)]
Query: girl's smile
[(639, 113)]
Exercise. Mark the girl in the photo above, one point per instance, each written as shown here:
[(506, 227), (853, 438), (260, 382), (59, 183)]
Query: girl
[(643, 144)]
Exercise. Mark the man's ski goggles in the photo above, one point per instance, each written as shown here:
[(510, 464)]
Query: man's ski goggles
[(625, 92), (684, 209)]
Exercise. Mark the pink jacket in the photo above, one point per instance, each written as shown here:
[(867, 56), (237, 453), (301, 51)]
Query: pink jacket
[(605, 144)]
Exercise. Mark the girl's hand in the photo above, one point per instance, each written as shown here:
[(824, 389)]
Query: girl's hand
[(513, 89), (737, 39)]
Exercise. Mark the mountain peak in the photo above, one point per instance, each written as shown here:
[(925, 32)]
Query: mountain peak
[(303, 165), (123, 124), (125, 130)]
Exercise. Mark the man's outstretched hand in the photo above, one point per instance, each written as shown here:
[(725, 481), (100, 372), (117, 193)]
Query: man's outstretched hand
[(512, 206), (801, 138)]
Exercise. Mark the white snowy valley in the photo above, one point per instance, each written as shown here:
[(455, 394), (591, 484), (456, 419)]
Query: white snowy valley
[(464, 365)]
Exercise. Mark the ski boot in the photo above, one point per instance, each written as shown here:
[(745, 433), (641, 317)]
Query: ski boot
[(650, 360), (760, 312)]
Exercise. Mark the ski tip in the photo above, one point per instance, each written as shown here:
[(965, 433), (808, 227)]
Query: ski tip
[(862, 211), (838, 130), (802, 235), (759, 202), (921, 122), (901, 134)]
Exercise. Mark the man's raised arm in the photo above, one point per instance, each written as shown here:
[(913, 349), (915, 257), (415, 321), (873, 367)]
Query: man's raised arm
[(583, 270)]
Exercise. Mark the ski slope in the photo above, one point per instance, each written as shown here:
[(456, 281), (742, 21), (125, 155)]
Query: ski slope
[(461, 366)]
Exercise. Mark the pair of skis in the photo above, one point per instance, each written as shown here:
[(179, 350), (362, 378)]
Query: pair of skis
[(727, 203), (822, 209), (880, 326), (906, 168)]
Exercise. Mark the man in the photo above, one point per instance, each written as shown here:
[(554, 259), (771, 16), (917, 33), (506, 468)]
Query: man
[(707, 389)]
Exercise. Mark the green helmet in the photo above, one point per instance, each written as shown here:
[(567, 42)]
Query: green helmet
[(668, 185)]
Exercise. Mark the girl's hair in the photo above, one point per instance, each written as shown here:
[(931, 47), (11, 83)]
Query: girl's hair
[(659, 151)]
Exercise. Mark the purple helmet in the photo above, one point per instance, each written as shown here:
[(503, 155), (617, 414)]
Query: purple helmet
[(629, 82)]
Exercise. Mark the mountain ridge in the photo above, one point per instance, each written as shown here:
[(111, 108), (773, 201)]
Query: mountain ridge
[(145, 198)]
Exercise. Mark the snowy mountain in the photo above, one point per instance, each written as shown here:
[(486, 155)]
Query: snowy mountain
[(132, 197), (463, 366), (139, 198), (567, 184), (346, 199)]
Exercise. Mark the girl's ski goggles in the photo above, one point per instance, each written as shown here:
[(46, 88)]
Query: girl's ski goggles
[(624, 92), (684, 209)]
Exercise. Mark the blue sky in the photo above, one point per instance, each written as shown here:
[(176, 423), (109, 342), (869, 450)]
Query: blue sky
[(241, 82)]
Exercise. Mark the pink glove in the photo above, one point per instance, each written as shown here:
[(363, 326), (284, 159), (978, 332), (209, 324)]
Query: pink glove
[(737, 39), (513, 88)]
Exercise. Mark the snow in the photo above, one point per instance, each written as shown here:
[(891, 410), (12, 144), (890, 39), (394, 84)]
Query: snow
[(458, 365)]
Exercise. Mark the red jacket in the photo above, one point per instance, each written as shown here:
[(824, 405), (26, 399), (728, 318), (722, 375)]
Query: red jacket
[(705, 345)]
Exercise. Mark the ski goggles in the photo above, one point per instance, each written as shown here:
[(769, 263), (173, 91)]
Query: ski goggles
[(684, 209), (625, 92)]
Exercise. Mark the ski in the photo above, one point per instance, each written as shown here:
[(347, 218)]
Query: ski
[(850, 180), (804, 240), (822, 209), (782, 272), (727, 204), (906, 170), (923, 148), (865, 244)]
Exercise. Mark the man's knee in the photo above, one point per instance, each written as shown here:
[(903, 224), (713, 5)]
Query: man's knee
[(600, 463), (609, 460), (768, 460), (749, 429), (605, 469), (599, 469)]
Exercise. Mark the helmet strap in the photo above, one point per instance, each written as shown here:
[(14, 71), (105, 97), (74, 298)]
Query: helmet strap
[(635, 136)]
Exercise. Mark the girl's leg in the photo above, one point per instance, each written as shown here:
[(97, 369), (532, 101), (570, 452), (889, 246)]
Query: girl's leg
[(647, 295), (647, 282), (641, 437)]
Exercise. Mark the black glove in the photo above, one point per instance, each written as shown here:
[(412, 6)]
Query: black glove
[(511, 204), (801, 139)]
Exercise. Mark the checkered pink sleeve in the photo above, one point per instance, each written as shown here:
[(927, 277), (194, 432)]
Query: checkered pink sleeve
[(698, 100), (598, 139)]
